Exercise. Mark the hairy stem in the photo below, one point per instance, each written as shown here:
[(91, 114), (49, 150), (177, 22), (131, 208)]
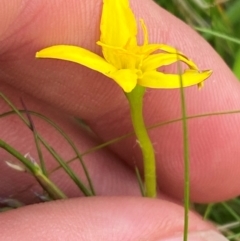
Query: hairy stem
[(135, 99)]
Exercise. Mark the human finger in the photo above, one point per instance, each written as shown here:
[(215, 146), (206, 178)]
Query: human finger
[(101, 218), (104, 106)]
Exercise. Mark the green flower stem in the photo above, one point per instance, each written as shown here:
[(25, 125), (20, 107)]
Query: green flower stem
[(135, 99)]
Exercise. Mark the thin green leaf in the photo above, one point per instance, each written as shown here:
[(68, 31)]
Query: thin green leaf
[(208, 210), (36, 139), (231, 210), (186, 159), (140, 182), (77, 181), (218, 34), (35, 170)]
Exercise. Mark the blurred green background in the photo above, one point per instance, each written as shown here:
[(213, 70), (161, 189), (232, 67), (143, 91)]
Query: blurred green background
[(221, 17)]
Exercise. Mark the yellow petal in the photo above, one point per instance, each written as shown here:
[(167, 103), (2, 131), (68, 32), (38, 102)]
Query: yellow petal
[(77, 55), (118, 24), (126, 78), (158, 80), (147, 49), (151, 48), (155, 61), (169, 49)]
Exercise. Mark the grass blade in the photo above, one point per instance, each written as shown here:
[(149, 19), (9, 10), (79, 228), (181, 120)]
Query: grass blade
[(36, 139), (36, 171), (186, 159), (73, 176), (218, 34)]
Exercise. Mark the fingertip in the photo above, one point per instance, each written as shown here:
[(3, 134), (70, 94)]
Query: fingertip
[(98, 218)]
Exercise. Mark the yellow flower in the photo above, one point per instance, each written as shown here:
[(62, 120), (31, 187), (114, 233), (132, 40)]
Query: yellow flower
[(124, 61)]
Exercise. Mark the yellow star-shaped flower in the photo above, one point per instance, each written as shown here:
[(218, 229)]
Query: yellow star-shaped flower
[(124, 61)]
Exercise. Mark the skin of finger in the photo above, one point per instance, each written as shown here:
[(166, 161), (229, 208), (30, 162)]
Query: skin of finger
[(98, 218), (109, 175), (214, 141)]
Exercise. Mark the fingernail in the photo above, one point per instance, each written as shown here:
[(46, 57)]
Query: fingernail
[(200, 236)]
